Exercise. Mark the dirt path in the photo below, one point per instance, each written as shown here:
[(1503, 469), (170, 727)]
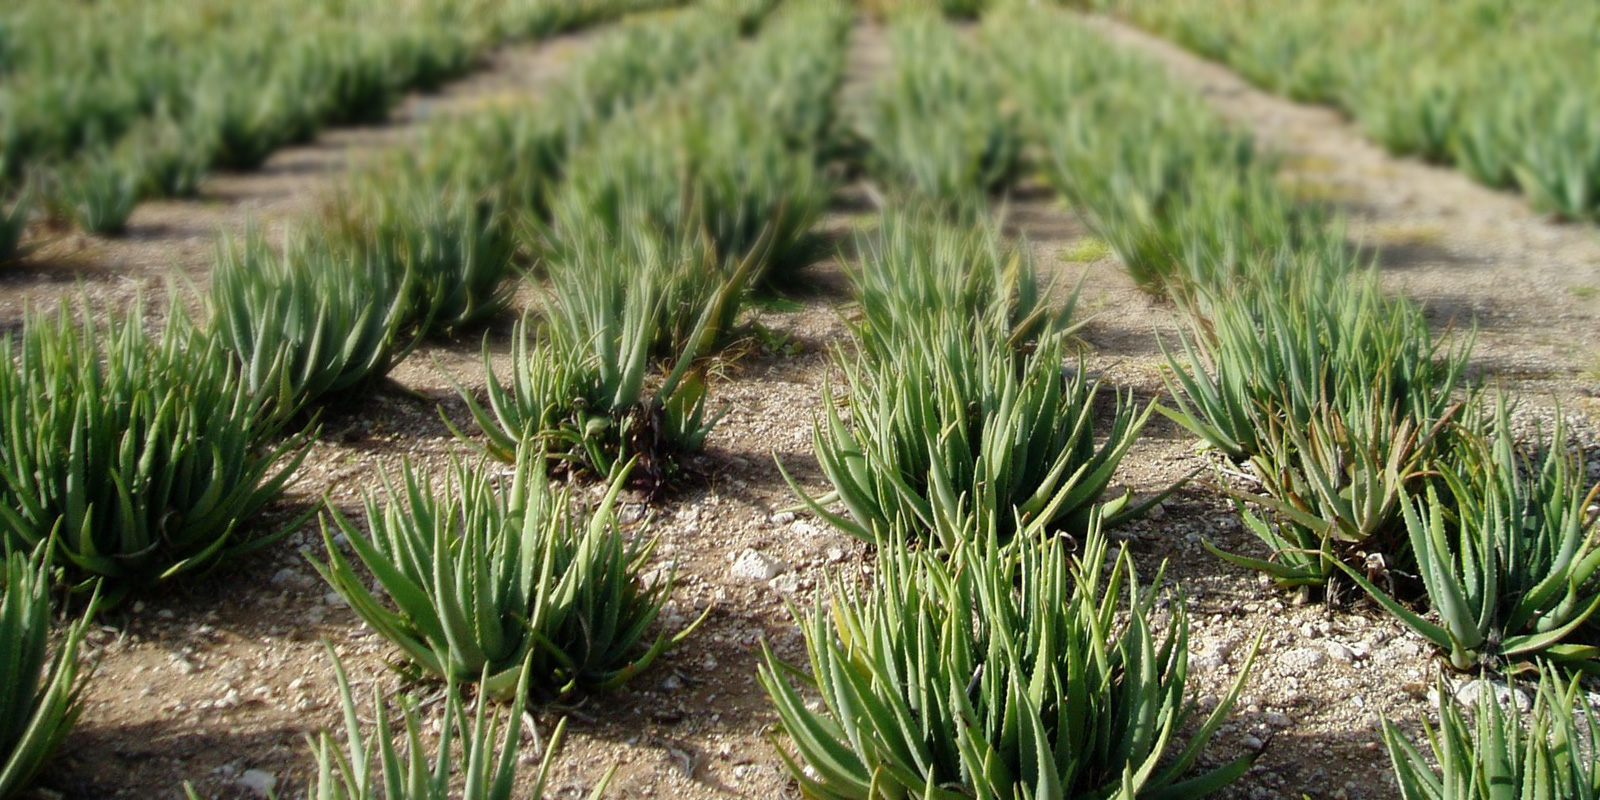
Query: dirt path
[(1469, 253)]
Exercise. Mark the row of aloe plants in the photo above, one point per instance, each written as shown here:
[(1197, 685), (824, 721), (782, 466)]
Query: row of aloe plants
[(1438, 80), (1000, 650), (427, 242), (1372, 458), (136, 453), (1345, 404), (938, 126), (954, 9), (96, 134), (664, 226), (547, 604)]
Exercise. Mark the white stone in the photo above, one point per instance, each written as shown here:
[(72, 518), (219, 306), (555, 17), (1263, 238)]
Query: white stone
[(1339, 652), (806, 527), (754, 567), (260, 782), (1302, 660), (1468, 694)]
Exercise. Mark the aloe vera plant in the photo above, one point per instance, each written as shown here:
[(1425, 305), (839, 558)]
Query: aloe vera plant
[(380, 767), (1561, 173), (455, 249), (503, 585), (171, 160), (919, 270), (1413, 115), (1495, 754), (40, 692), (947, 431), (613, 308), (1004, 672), (961, 405), (1338, 488), (249, 126), (100, 195), (314, 318), (376, 767), (141, 455), (1509, 555), (1342, 400)]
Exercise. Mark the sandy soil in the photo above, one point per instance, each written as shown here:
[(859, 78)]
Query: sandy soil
[(227, 674)]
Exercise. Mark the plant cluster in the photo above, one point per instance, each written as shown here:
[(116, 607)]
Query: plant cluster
[(488, 772), (458, 247), (312, 318), (918, 271), (687, 165), (1371, 455), (1551, 753), (961, 410), (381, 767), (1003, 672), (955, 428), (1508, 552), (40, 692), (498, 581), (1341, 399), (582, 385), (138, 455)]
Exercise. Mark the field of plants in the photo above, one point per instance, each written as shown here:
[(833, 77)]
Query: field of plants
[(1438, 81), (773, 398)]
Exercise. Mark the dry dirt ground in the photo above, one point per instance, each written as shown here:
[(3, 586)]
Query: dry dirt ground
[(227, 674)]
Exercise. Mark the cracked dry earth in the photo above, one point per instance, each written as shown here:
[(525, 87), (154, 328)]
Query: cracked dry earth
[(226, 674)]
